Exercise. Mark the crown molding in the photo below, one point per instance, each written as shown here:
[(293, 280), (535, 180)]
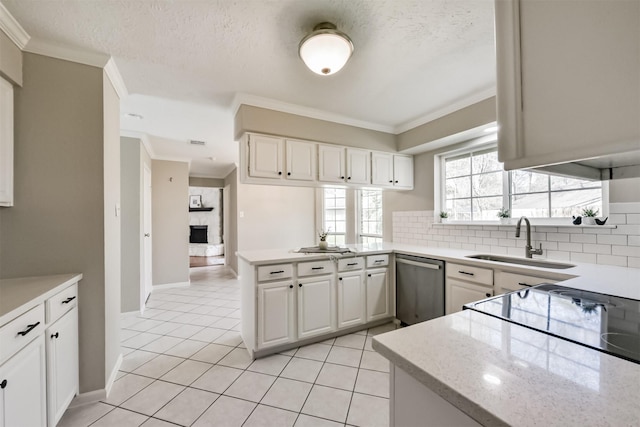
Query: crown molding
[(285, 107), (143, 137), (451, 108), (112, 72), (174, 159), (45, 48), (12, 28)]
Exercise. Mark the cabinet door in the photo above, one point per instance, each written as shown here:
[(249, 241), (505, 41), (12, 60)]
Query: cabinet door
[(22, 398), (382, 169), (62, 365), (351, 299), (330, 163), (403, 172), (316, 306), (358, 166), (265, 156), (377, 294), (6, 143), (301, 160), (275, 314), (460, 293)]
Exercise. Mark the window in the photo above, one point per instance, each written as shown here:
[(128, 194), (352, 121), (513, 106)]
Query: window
[(476, 187), (351, 216), (370, 216), (334, 218)]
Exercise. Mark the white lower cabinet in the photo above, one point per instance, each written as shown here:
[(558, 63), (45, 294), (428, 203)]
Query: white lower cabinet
[(23, 387), (62, 365), (351, 299), (377, 294), (460, 293), (316, 306), (275, 314)]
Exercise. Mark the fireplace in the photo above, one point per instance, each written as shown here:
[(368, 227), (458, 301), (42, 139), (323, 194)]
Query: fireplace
[(198, 234)]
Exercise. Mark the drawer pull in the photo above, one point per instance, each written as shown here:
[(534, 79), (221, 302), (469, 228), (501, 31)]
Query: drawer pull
[(524, 284), (29, 329), (317, 268), (299, 285), (465, 272), (351, 264), (68, 300), (378, 261), (290, 286), (277, 272), (3, 384), (56, 335)]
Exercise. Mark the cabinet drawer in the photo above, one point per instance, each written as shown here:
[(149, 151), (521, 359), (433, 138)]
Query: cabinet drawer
[(377, 260), (350, 264), (483, 276), (62, 302), (315, 267), (20, 331), (506, 282), (273, 272)]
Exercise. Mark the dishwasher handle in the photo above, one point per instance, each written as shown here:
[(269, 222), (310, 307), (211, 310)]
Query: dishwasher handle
[(418, 264)]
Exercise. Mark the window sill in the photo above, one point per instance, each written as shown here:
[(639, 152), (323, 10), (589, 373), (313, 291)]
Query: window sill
[(534, 223)]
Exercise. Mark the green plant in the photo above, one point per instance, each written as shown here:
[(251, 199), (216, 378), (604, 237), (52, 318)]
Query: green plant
[(444, 214), (504, 213), (590, 212)]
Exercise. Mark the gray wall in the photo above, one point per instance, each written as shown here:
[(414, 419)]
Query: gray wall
[(624, 190), (170, 195), (206, 182), (255, 119), (10, 60), (231, 219), (112, 244), (58, 222), (131, 193)]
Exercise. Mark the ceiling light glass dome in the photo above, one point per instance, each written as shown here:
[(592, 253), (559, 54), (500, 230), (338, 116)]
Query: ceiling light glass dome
[(326, 50)]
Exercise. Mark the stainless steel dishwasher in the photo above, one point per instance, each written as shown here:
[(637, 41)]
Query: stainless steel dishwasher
[(419, 288)]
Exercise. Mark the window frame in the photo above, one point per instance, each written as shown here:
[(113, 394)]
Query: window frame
[(359, 210)]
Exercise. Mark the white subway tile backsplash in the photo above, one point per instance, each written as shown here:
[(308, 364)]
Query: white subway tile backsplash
[(602, 245)]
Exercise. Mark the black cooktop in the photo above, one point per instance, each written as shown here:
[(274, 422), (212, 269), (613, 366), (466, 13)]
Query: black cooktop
[(603, 322)]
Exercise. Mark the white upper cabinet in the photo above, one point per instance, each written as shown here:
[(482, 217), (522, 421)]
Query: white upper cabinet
[(301, 160), (568, 76), (382, 169), (358, 166), (6, 143), (331, 163), (265, 156), (402, 172)]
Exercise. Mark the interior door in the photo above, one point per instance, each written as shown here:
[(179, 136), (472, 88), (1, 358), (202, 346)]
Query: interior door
[(146, 284)]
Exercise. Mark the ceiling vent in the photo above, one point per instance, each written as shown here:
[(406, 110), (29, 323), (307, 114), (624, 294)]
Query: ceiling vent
[(196, 142)]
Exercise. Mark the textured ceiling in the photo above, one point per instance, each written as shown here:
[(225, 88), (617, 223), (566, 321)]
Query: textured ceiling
[(412, 57)]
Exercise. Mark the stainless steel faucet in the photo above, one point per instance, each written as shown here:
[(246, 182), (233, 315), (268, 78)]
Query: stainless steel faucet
[(529, 251)]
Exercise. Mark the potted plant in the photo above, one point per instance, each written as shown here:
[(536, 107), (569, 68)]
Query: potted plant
[(589, 216), (444, 216), (504, 214), (323, 244)]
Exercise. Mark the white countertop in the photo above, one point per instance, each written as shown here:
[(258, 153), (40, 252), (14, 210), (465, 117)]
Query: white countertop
[(499, 373), (620, 281), (19, 295)]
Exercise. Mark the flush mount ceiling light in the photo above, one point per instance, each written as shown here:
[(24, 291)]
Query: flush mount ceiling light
[(326, 50)]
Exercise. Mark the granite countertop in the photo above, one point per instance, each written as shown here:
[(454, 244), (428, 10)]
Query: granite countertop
[(500, 373), (19, 295), (621, 281)]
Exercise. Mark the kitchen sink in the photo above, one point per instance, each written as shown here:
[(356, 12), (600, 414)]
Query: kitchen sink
[(522, 261)]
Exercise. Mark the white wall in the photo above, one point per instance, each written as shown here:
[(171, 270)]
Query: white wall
[(271, 217)]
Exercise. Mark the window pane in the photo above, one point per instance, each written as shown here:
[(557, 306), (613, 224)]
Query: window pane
[(568, 203), (486, 162), (488, 184), (370, 215), (460, 210), (564, 183), (486, 208), (334, 214), (458, 187), (457, 167), (528, 182), (531, 205)]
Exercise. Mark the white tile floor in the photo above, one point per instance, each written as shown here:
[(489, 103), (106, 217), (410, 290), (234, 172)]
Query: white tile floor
[(185, 364)]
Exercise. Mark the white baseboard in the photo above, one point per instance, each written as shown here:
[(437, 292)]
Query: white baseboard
[(114, 374), (172, 285), (232, 271), (88, 397), (128, 314)]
